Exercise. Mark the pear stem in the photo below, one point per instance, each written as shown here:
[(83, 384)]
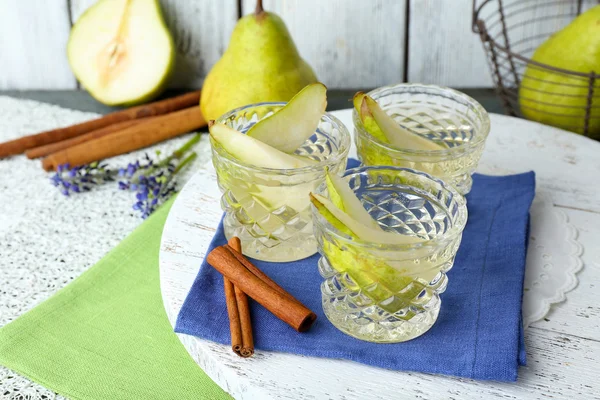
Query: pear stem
[(259, 7)]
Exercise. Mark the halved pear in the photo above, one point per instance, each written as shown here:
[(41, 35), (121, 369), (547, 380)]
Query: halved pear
[(346, 224), (383, 127), (292, 125), (121, 51), (252, 151), (344, 198)]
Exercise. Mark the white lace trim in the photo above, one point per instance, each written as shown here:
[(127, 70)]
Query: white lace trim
[(553, 259)]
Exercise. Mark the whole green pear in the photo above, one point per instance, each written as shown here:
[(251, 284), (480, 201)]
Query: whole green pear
[(544, 94), (260, 64)]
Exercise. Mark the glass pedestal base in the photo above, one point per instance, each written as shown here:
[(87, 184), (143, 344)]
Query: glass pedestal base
[(374, 324)]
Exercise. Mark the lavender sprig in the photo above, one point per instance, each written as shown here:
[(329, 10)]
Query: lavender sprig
[(155, 189), (81, 179), (154, 182), (148, 167)]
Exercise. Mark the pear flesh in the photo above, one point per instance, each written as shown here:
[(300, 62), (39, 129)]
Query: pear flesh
[(260, 64), (288, 128), (344, 198), (259, 199), (121, 51), (353, 228), (384, 128), (400, 277), (252, 151)]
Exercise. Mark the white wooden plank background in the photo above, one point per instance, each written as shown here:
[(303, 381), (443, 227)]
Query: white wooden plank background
[(350, 43), (33, 37), (443, 49)]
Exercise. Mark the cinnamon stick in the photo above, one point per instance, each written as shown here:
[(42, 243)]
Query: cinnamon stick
[(245, 322), (146, 133), (254, 269), (238, 310), (42, 151), (166, 106), (284, 307), (235, 327), (247, 349)]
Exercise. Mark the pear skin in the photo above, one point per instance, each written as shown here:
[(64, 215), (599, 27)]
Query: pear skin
[(252, 151), (260, 64), (544, 93), (288, 128), (366, 269), (385, 129), (360, 104), (345, 223), (344, 198)]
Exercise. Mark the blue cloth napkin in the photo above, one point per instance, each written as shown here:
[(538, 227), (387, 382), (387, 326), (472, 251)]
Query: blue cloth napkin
[(478, 333)]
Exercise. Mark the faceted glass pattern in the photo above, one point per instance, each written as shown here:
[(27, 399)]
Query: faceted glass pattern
[(269, 209), (391, 293), (441, 114)]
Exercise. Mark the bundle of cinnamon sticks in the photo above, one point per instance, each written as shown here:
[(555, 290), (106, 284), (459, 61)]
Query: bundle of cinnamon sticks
[(111, 135), (242, 279)]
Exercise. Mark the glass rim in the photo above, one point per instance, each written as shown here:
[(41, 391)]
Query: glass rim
[(480, 138), (449, 236), (344, 147)]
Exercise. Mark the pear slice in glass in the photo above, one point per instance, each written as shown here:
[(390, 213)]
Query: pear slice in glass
[(353, 228), (384, 280), (288, 128), (367, 119), (260, 198), (252, 151), (384, 128), (344, 198)]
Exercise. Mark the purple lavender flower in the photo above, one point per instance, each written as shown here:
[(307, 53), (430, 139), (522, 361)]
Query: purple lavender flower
[(152, 181), (153, 191), (80, 179)]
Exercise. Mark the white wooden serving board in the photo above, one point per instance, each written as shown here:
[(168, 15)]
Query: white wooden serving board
[(562, 350)]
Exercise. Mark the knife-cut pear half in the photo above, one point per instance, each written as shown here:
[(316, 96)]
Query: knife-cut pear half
[(121, 51), (384, 128), (288, 128), (251, 151)]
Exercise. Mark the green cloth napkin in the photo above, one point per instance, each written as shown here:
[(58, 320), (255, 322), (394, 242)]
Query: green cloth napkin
[(106, 334)]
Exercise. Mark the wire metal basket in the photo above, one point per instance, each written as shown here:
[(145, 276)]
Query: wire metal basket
[(511, 31)]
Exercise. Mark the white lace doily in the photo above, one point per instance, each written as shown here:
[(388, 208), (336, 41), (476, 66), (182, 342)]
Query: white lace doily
[(43, 249), (553, 259)]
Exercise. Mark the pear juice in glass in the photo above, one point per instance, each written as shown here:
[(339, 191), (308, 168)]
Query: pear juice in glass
[(389, 293), (451, 119), (269, 209)]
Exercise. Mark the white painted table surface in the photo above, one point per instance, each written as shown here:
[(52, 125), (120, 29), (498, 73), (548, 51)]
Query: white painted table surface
[(562, 350)]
